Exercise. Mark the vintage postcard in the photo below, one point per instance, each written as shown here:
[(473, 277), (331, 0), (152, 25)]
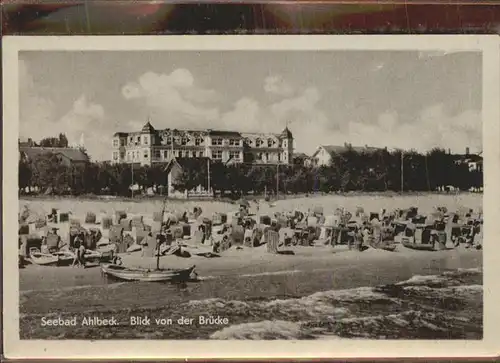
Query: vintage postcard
[(251, 196)]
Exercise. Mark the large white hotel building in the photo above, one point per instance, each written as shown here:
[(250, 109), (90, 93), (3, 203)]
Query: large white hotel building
[(149, 146)]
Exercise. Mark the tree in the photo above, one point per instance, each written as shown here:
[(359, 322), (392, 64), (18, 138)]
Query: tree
[(25, 174), (49, 142), (50, 174), (63, 140), (60, 141)]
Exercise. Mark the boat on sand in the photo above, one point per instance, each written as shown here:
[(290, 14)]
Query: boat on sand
[(61, 258), (147, 275), (391, 247)]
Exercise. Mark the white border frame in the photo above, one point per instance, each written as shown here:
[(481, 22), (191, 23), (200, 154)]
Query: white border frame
[(489, 346)]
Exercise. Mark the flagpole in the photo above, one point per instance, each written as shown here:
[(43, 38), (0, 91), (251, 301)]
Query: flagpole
[(402, 171), (208, 175), (132, 171)]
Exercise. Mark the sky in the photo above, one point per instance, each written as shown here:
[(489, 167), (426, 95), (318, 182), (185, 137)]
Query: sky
[(399, 99)]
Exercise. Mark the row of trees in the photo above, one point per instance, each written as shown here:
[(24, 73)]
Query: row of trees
[(349, 171), (60, 141)]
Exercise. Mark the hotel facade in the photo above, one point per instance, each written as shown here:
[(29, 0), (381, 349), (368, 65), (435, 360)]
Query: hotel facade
[(149, 146)]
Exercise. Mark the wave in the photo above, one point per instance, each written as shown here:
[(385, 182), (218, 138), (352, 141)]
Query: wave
[(71, 288), (445, 306), (263, 330), (286, 272)]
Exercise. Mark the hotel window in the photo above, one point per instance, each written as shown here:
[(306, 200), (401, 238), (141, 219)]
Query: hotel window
[(235, 155), (122, 155), (267, 156), (279, 157), (234, 142), (115, 156), (130, 140), (200, 154), (198, 141), (157, 154), (216, 141), (138, 140), (146, 154), (270, 142), (259, 156), (179, 154), (122, 142), (258, 142), (217, 154), (145, 140), (184, 141), (115, 143)]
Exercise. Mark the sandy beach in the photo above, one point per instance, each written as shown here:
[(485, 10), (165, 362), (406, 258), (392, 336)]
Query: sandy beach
[(316, 293), (371, 203)]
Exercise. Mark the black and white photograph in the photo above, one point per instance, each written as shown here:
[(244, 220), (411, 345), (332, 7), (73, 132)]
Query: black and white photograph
[(282, 192)]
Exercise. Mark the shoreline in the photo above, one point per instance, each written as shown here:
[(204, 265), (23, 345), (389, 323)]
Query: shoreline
[(251, 262), (312, 195)]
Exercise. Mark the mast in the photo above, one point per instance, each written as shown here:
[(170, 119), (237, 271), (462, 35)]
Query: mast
[(158, 243), (158, 254)]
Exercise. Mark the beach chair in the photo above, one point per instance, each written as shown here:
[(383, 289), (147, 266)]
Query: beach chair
[(272, 241), (376, 235), (198, 237), (248, 238)]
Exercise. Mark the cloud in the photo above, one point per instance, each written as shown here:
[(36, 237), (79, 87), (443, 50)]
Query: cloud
[(434, 128), (35, 111), (177, 93), (174, 96), (278, 86), (39, 118), (80, 124), (299, 113), (176, 100)]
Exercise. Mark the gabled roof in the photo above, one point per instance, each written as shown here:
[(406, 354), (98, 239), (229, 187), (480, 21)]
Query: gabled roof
[(120, 134), (148, 128), (72, 154), (286, 133), (190, 163), (336, 149)]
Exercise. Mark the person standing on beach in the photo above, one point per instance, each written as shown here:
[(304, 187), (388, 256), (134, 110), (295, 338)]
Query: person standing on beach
[(82, 251), (77, 242)]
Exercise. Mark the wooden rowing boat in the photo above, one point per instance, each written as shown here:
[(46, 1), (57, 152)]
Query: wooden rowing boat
[(147, 275), (389, 247), (386, 246), (408, 243), (61, 258)]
